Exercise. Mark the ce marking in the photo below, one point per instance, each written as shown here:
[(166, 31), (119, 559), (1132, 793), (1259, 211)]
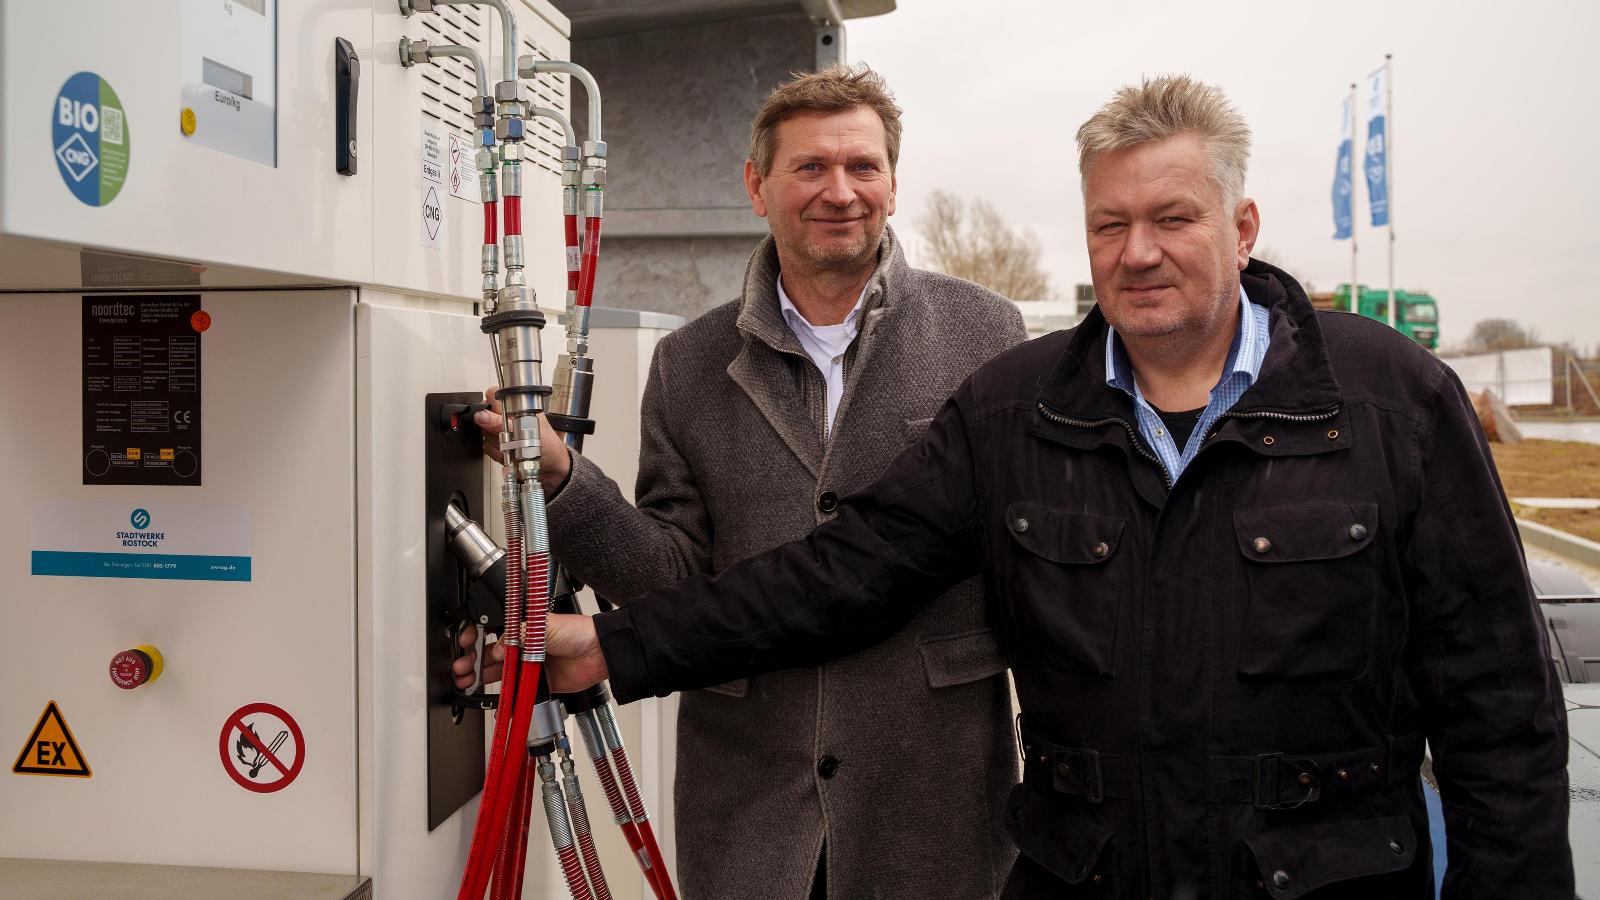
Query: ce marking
[(181, 417)]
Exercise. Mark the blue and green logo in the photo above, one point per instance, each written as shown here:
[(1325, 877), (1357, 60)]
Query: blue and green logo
[(140, 519), (90, 135)]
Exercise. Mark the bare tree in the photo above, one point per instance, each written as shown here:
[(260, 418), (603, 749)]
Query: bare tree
[(1500, 334), (1271, 257), (972, 241)]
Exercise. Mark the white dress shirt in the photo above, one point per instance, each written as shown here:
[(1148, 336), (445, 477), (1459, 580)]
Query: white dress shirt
[(826, 345)]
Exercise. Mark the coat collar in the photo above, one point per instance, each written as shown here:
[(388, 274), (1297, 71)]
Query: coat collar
[(1295, 377), (760, 316), (771, 367)]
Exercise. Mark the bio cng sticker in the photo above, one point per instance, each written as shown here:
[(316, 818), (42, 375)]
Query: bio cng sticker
[(433, 164), (463, 169), (90, 138), (51, 749), (169, 541), (262, 747)]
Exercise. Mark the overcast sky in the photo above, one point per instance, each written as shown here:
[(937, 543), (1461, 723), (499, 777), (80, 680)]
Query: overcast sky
[(1496, 130)]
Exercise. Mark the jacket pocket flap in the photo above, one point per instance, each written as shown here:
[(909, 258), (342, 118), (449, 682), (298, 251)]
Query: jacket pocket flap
[(1073, 538), (1063, 842), (1306, 531), (961, 658), (1296, 861)]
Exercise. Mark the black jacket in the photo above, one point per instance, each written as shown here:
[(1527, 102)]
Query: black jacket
[(1226, 683)]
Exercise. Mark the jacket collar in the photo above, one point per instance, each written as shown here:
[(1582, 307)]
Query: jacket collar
[(1295, 377), (759, 312)]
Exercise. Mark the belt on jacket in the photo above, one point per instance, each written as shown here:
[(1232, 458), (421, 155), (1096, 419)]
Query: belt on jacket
[(1266, 780)]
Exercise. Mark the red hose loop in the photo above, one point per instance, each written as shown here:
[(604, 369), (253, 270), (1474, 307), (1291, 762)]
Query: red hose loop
[(491, 223), (513, 215), (591, 258)]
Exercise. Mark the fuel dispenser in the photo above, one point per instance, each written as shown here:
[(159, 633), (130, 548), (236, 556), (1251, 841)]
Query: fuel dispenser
[(257, 260)]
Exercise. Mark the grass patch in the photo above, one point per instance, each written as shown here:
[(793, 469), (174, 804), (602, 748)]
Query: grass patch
[(1535, 468)]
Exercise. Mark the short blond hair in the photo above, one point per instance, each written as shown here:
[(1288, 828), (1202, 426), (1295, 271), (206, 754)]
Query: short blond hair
[(835, 89), (1166, 106)]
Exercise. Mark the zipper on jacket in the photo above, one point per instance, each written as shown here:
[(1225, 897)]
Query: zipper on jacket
[(1133, 435), (1276, 416)]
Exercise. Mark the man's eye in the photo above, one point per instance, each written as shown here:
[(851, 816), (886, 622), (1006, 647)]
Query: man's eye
[(1174, 220), (1110, 227), (811, 167)]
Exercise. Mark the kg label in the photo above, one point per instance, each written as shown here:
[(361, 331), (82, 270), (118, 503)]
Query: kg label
[(90, 138)]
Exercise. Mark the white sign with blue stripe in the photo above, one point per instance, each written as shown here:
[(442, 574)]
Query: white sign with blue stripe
[(173, 541)]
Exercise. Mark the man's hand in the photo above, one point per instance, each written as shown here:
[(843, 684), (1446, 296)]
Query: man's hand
[(462, 668), (553, 464), (573, 661)]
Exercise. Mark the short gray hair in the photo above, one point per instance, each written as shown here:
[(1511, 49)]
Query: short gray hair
[(1166, 106)]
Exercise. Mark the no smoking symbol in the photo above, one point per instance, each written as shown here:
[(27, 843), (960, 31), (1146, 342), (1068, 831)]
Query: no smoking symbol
[(262, 748)]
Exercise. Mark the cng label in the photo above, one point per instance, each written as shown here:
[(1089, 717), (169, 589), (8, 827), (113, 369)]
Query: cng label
[(51, 750), (90, 137)]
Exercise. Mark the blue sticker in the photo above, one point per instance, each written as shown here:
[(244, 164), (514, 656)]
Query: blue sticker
[(90, 138)]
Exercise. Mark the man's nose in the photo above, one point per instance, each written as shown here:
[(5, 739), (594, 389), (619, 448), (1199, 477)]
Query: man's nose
[(1143, 248), (838, 190)]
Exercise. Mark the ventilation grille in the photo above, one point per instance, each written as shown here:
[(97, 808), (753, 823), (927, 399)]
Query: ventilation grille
[(545, 139)]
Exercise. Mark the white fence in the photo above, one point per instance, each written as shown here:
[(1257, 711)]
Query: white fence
[(1519, 377)]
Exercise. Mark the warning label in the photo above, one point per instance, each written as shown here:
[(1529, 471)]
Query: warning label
[(51, 750), (141, 389), (262, 748), (433, 174)]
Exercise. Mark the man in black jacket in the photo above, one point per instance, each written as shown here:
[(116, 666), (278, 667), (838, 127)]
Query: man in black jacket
[(1245, 559)]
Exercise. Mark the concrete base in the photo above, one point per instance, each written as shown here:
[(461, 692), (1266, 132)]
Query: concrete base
[(64, 879), (1571, 546)]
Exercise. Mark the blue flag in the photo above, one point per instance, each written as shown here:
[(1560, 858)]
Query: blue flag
[(1377, 161), (1343, 186)]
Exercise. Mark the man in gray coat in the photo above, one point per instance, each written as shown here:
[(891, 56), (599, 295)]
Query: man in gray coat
[(856, 779)]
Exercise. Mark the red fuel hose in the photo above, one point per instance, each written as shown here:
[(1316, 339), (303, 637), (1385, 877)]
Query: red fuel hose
[(513, 204), (574, 260), (647, 835), (619, 813), (591, 258), (491, 224), (519, 863)]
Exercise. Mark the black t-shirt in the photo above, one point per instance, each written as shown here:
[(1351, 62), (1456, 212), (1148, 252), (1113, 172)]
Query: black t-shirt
[(1180, 424)]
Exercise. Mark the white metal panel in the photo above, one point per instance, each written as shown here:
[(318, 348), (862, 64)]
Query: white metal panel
[(277, 376), (181, 200)]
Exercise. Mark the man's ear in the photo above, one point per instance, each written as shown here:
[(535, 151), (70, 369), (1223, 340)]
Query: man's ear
[(752, 186), (894, 188), (1248, 220)]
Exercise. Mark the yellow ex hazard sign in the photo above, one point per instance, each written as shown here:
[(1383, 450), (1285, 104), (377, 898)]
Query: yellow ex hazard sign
[(50, 749)]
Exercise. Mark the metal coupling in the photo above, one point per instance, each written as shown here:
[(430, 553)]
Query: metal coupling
[(484, 121), (491, 289), (511, 92), (485, 160), (594, 149), (511, 129), (573, 387), (594, 202), (490, 259), (511, 176), (547, 723), (594, 176), (511, 153), (472, 545), (518, 296), (608, 727), (413, 52), (527, 66), (483, 106), (513, 246), (555, 808), (407, 7)]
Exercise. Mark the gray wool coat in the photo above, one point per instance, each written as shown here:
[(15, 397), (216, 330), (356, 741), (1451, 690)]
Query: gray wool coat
[(900, 756)]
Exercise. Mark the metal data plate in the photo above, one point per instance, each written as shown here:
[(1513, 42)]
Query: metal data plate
[(453, 472)]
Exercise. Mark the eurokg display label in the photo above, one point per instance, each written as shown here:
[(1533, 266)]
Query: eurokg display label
[(90, 138), (172, 541)]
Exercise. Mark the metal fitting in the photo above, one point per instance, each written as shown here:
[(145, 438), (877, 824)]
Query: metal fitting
[(527, 66), (511, 92), (491, 259), (483, 105), (594, 177), (484, 160), (547, 723), (484, 121), (407, 7), (413, 52), (472, 545), (511, 176), (594, 148), (517, 296), (571, 154), (511, 152), (511, 129)]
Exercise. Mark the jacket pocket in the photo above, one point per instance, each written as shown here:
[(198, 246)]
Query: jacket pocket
[(1075, 850), (961, 658), (1364, 859), (1065, 587), (1312, 587)]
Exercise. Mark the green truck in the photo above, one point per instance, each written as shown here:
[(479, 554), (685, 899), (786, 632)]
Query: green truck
[(1417, 315)]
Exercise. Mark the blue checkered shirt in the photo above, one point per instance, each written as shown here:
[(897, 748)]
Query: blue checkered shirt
[(1244, 364)]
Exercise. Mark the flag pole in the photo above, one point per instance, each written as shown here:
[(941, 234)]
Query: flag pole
[(1388, 167), (1354, 298)]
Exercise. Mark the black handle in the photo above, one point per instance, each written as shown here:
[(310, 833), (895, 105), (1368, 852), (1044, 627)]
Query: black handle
[(347, 78)]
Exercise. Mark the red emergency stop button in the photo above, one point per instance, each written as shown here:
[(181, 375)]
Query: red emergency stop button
[(131, 668)]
